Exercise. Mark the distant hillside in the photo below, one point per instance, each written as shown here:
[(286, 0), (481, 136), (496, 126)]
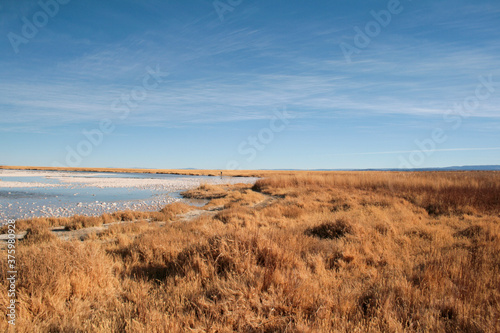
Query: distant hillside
[(450, 168), (463, 168), (475, 167)]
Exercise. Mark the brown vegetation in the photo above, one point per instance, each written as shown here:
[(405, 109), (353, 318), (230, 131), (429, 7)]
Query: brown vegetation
[(347, 252), (189, 172)]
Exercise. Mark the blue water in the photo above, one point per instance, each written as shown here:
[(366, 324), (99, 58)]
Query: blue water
[(43, 180), (126, 175), (84, 194), (69, 198)]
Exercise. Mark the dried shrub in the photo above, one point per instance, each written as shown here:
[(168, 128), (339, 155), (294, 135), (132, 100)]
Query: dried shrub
[(331, 230), (127, 215), (170, 211), (79, 221), (470, 232), (292, 212), (39, 234), (205, 191)]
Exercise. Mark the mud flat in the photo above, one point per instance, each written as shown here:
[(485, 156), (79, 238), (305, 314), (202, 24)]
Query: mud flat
[(25, 194)]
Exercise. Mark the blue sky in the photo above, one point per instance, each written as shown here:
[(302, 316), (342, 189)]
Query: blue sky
[(250, 84)]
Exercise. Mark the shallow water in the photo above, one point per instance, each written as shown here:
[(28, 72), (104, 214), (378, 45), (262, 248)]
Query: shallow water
[(25, 194)]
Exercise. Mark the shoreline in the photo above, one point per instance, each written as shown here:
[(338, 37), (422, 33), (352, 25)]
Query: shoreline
[(240, 173), (182, 172), (60, 194)]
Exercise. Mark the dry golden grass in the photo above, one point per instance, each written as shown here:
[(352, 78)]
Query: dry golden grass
[(329, 252), (189, 172), (206, 191), (38, 234)]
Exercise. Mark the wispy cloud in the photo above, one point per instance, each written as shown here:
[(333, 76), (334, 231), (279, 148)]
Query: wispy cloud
[(242, 73)]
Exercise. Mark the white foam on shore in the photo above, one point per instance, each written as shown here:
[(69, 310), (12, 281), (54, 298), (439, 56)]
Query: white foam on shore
[(159, 185), (8, 184), (36, 173), (144, 183)]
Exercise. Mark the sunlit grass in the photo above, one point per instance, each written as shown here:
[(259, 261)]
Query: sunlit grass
[(366, 252)]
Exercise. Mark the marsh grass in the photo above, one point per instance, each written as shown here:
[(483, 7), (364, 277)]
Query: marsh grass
[(347, 252), (331, 230), (38, 234)]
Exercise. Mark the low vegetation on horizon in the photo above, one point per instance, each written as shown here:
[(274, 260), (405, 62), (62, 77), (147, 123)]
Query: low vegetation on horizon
[(296, 252), (189, 172)]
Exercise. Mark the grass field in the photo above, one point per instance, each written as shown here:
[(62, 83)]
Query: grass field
[(297, 252)]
